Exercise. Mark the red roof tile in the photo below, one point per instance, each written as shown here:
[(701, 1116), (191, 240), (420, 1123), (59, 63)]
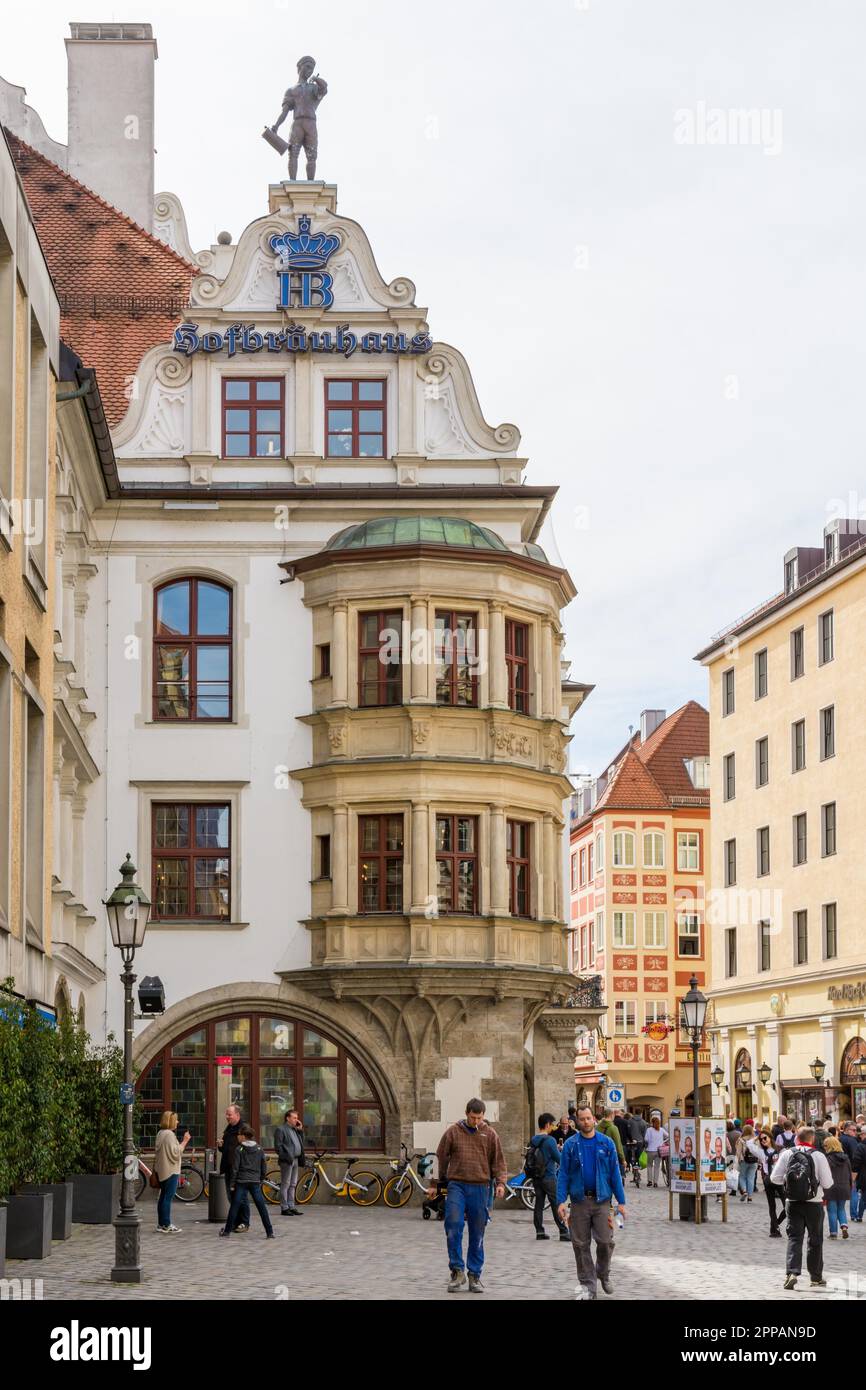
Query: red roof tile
[(684, 734), (632, 788), (101, 261)]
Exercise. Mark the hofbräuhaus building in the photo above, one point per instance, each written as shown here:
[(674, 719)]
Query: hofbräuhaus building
[(331, 707)]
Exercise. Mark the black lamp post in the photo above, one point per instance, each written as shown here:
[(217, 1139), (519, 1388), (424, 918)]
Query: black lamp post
[(128, 910), (764, 1073), (817, 1068), (694, 1012)]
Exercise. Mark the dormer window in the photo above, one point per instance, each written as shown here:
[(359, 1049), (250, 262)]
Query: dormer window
[(699, 772)]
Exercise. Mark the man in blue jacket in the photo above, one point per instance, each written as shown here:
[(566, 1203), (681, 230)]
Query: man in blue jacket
[(589, 1175)]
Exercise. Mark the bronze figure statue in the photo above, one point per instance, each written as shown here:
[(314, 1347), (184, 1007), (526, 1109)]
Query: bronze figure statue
[(303, 99)]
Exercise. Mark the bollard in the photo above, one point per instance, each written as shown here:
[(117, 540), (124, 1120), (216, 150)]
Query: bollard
[(217, 1198)]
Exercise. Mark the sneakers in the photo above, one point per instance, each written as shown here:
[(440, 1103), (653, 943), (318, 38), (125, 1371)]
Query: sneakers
[(563, 1235), (296, 1211), (790, 1281), (818, 1284), (775, 1235), (271, 1235), (844, 1232), (240, 1229), (224, 1232), (475, 1284), (583, 1294), (286, 1211), (831, 1235), (458, 1279), (607, 1286), (541, 1235), (169, 1230)]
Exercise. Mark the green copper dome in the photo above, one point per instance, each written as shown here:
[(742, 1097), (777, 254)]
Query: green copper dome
[(415, 530)]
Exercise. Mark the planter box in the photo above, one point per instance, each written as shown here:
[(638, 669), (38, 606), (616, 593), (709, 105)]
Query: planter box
[(28, 1225), (2, 1239), (95, 1197), (61, 1224)]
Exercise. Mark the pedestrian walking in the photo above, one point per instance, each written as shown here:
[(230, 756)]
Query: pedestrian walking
[(748, 1161), (589, 1176), (249, 1167), (606, 1126), (289, 1144), (541, 1167), (166, 1165), (564, 1129), (786, 1138), (769, 1156), (804, 1175), (858, 1191), (655, 1139), (839, 1194), (469, 1156), (227, 1146)]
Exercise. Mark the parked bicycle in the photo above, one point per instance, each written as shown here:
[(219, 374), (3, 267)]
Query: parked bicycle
[(190, 1184), (398, 1188), (360, 1185), (521, 1186)]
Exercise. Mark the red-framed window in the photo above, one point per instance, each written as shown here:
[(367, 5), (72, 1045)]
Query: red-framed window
[(380, 863), (253, 417), (690, 935), (265, 1065), (380, 669), (191, 861), (517, 856), (517, 664), (192, 650), (456, 655), (355, 424), (457, 863)]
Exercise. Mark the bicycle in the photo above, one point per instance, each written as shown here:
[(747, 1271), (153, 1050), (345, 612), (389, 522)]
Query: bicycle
[(190, 1184), (398, 1188), (521, 1186), (361, 1186)]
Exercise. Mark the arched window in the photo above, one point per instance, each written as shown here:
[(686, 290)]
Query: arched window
[(192, 651), (849, 1074), (623, 849), (265, 1064)]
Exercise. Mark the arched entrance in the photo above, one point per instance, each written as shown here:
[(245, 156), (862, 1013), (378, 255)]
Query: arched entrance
[(264, 1063), (744, 1103), (852, 1086)]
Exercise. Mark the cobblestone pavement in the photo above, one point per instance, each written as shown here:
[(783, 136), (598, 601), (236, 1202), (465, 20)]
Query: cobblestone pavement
[(341, 1251)]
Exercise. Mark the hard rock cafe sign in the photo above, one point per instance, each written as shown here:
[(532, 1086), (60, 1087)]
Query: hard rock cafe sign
[(853, 993)]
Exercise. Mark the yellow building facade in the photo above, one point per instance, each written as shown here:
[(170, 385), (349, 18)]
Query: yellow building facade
[(29, 358), (787, 870)]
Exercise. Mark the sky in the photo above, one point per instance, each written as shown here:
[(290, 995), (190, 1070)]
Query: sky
[(665, 296)]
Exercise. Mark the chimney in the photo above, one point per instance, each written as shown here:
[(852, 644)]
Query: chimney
[(111, 106), (650, 720)]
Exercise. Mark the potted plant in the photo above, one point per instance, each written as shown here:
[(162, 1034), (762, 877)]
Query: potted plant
[(58, 1125), (96, 1168), (28, 1058)]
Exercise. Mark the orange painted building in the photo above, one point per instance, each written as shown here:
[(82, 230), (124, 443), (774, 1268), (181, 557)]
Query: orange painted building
[(640, 855)]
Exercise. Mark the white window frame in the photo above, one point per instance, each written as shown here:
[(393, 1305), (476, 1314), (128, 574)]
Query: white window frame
[(827, 614), (654, 1009), (625, 1014), (654, 862), (685, 849), (619, 929), (624, 837), (687, 920), (599, 851), (651, 937), (599, 932)]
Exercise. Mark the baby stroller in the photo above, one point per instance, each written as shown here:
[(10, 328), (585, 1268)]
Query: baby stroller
[(435, 1206)]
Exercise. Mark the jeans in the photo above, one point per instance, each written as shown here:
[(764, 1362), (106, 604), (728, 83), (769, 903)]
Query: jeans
[(748, 1174), (590, 1218), (545, 1190), (805, 1218), (774, 1195), (288, 1183), (466, 1202), (167, 1189), (245, 1204), (836, 1214), (242, 1194), (653, 1164), (856, 1203)]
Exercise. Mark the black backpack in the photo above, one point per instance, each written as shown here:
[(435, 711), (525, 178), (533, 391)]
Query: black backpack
[(535, 1163), (801, 1180)]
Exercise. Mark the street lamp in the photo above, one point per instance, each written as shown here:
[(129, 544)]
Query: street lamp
[(860, 1064), (694, 1012), (817, 1068), (764, 1073), (717, 1076), (744, 1079), (128, 911)]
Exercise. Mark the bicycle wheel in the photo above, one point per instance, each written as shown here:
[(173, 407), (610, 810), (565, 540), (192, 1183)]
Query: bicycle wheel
[(140, 1185), (306, 1188), (271, 1187), (527, 1195), (190, 1184), (365, 1188), (397, 1190)]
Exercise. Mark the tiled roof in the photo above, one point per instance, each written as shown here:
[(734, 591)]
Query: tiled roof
[(684, 734), (632, 788), (121, 290)]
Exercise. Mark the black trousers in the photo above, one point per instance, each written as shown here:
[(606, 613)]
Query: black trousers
[(805, 1218), (545, 1190), (244, 1214), (775, 1203)]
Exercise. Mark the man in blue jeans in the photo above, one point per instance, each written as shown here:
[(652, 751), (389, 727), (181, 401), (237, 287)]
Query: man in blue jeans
[(470, 1157)]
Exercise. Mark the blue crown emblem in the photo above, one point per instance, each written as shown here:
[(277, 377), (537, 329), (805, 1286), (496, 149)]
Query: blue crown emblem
[(304, 250)]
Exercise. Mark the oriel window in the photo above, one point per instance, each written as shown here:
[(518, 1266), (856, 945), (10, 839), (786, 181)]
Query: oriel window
[(517, 664), (456, 656), (380, 670), (380, 863), (518, 864), (457, 863)]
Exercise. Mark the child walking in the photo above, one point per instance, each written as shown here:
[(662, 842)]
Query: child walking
[(248, 1171)]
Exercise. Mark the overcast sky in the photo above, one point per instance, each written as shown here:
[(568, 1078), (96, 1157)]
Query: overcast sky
[(668, 304)]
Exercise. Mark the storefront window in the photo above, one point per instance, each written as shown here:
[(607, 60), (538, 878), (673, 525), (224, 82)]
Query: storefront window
[(364, 1129), (276, 1096), (321, 1107), (233, 1037), (193, 1045), (188, 1097), (276, 1037), (317, 1046)]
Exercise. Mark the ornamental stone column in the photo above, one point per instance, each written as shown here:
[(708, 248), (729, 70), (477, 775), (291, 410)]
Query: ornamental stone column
[(547, 642), (303, 442), (340, 860), (548, 886), (340, 654), (421, 888), (498, 864), (498, 674), (419, 670)]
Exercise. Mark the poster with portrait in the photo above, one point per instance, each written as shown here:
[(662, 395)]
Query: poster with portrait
[(711, 1154), (684, 1164)]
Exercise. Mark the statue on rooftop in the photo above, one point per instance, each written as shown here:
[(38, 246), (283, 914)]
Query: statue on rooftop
[(303, 99)]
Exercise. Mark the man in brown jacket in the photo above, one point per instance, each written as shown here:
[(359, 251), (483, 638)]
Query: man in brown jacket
[(470, 1158)]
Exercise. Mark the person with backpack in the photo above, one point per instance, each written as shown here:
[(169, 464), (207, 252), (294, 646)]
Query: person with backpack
[(786, 1138), (541, 1166), (249, 1167), (748, 1159), (803, 1174), (607, 1126)]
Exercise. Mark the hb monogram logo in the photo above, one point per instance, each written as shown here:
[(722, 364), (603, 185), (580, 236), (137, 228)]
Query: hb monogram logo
[(304, 283)]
